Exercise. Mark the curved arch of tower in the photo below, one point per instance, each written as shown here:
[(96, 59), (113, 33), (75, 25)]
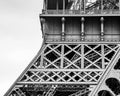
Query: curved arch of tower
[(80, 55)]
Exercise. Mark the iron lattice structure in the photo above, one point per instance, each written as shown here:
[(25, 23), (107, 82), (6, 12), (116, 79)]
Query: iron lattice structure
[(80, 55)]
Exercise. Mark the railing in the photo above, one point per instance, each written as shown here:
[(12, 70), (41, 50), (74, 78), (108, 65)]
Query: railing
[(95, 11)]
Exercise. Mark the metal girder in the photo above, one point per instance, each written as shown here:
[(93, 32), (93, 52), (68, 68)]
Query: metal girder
[(68, 64)]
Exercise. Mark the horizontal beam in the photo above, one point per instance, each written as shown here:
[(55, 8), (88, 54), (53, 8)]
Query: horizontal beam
[(70, 70), (93, 83), (83, 42), (78, 15)]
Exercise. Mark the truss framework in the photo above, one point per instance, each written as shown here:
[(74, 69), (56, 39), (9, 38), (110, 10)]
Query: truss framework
[(68, 64), (71, 63)]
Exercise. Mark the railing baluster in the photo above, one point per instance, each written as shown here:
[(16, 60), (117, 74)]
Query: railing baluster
[(82, 28), (102, 28)]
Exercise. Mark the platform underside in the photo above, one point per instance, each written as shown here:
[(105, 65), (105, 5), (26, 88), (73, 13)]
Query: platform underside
[(61, 90)]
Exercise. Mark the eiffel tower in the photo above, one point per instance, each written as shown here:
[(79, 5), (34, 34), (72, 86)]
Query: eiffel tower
[(80, 55)]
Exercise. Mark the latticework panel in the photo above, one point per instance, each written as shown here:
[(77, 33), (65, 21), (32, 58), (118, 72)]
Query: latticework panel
[(76, 68), (71, 63), (75, 56), (17, 91), (62, 76)]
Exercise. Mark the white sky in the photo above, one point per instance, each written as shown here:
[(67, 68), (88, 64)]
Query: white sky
[(20, 38)]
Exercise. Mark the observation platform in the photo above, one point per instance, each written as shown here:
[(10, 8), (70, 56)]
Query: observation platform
[(81, 8)]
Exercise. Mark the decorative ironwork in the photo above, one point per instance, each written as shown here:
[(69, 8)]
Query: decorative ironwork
[(17, 92), (69, 63), (62, 76), (66, 58), (81, 92), (51, 91)]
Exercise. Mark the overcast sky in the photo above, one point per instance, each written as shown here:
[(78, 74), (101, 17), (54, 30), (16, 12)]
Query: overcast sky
[(20, 38)]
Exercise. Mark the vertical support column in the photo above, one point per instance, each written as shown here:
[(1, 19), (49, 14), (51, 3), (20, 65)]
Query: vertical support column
[(80, 5), (84, 6), (103, 61), (42, 57), (102, 28), (46, 5), (74, 7), (62, 57), (101, 6), (63, 6), (82, 29), (44, 36), (43, 28), (63, 29), (82, 56), (57, 7), (119, 6)]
